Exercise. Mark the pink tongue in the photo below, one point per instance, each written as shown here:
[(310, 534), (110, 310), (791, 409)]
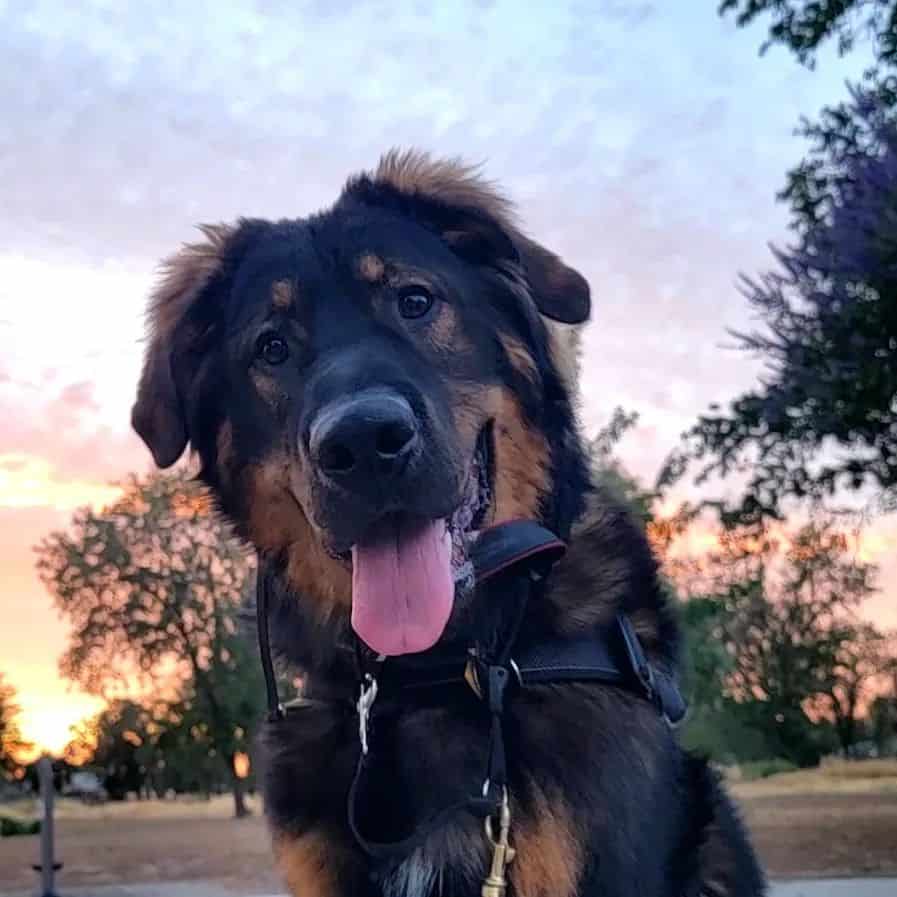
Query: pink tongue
[(402, 588)]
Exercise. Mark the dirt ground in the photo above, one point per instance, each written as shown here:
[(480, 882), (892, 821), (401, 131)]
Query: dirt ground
[(818, 833), (825, 835)]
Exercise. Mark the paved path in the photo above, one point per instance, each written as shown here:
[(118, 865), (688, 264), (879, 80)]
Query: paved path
[(843, 887), (838, 887)]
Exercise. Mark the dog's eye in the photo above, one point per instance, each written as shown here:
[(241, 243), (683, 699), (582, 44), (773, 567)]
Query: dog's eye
[(272, 349), (414, 302)]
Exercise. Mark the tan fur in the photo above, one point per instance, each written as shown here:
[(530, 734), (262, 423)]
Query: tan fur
[(268, 388), (522, 455), (450, 181), (521, 461), (183, 277), (277, 523), (283, 294), (469, 408), (371, 267), (520, 358), (310, 864), (549, 850), (444, 331)]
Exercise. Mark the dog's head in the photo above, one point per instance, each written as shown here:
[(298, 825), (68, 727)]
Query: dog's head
[(369, 386)]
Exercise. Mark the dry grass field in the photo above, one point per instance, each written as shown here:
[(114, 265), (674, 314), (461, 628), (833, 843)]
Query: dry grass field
[(838, 820)]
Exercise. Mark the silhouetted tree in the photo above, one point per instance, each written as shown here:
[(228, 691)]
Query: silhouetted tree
[(774, 625), (824, 417), (152, 586), (883, 713), (804, 25), (117, 743), (12, 744), (861, 658)]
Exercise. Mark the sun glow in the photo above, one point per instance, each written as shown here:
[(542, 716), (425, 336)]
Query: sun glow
[(47, 719), (29, 481)]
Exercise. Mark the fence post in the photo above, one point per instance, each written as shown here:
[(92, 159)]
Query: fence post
[(48, 865)]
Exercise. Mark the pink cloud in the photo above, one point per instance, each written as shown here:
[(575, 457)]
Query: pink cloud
[(79, 396), (63, 427)]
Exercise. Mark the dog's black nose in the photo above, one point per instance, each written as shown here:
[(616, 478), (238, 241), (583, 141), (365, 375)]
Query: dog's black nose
[(369, 436)]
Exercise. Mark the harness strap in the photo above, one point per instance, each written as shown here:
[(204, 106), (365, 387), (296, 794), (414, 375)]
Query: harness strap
[(613, 655)]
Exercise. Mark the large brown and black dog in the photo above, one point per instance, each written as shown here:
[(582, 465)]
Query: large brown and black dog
[(366, 389)]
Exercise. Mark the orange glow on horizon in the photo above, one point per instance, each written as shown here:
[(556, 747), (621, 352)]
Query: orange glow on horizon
[(28, 481), (47, 719)]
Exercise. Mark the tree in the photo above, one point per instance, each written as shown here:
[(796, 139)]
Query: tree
[(117, 743), (825, 415), (804, 25), (860, 658), (152, 586), (771, 641), (12, 744), (883, 713)]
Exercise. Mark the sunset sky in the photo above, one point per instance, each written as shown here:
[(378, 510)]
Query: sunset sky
[(643, 141)]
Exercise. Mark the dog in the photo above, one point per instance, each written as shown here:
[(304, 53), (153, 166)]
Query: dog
[(370, 390)]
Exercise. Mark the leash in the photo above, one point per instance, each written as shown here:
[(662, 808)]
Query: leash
[(511, 562)]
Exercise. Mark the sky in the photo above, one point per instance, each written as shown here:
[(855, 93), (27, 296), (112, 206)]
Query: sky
[(644, 142)]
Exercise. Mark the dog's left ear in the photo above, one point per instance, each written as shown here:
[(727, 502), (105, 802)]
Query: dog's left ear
[(560, 292), (478, 223)]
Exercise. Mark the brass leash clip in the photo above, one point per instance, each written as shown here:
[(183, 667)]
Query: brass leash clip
[(495, 884)]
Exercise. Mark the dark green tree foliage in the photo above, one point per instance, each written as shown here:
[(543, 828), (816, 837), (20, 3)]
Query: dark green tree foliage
[(144, 749), (804, 25), (12, 744), (776, 640), (883, 713), (152, 587), (707, 662), (825, 414), (119, 744), (608, 470), (860, 658)]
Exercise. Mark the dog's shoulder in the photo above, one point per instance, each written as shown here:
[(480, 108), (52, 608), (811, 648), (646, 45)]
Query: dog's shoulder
[(610, 568)]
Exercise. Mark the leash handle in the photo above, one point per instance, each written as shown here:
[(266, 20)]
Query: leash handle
[(395, 851)]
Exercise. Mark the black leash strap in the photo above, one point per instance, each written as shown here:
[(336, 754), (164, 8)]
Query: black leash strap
[(262, 586)]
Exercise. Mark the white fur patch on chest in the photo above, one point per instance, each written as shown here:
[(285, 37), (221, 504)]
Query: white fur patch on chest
[(416, 876)]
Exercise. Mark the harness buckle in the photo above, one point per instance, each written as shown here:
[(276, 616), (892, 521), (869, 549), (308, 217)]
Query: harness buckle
[(366, 698)]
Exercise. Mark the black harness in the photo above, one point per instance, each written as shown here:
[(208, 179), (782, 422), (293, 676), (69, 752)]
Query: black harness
[(511, 562)]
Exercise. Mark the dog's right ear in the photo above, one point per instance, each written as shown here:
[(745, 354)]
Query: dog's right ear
[(158, 414)]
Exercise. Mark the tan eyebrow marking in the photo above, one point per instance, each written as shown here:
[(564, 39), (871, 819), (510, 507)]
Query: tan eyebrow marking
[(371, 267), (282, 294)]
